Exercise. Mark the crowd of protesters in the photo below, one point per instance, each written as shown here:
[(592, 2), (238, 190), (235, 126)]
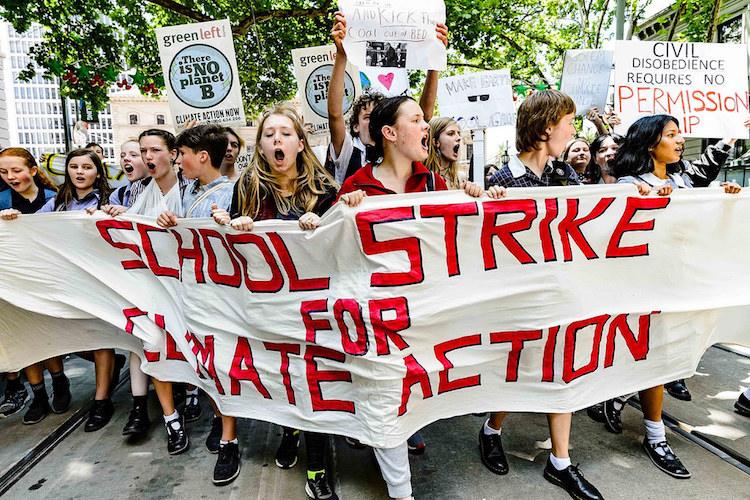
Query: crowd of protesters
[(390, 145)]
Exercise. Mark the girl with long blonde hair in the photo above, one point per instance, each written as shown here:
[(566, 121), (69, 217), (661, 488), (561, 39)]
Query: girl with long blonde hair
[(444, 146)]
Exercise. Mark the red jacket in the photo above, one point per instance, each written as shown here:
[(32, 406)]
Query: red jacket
[(417, 183)]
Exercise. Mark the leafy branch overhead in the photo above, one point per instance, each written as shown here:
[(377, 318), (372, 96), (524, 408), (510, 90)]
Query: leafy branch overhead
[(90, 44)]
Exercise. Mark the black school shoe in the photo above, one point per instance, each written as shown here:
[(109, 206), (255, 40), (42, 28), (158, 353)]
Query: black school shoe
[(664, 459), (228, 464), (138, 420), (192, 410), (596, 412), (319, 488), (613, 415), (38, 410), (742, 406), (177, 437), (571, 480), (678, 390), (214, 435), (286, 455), (61, 397), (100, 414), (491, 452)]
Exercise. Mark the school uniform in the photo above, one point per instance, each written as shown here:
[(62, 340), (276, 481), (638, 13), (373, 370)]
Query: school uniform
[(91, 200), (11, 199), (197, 198), (421, 180), (350, 159), (516, 174)]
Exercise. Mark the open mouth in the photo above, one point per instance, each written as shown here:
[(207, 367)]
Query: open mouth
[(425, 142), (279, 155), (151, 166), (128, 169), (228, 156), (456, 148)]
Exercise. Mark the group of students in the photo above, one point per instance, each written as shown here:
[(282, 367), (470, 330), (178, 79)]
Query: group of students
[(388, 148)]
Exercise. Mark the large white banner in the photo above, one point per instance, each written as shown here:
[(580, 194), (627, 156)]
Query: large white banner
[(200, 72), (403, 311), (394, 34), (478, 100), (703, 85), (585, 78), (313, 67)]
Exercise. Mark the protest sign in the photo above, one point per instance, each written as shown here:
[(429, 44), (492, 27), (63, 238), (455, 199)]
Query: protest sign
[(585, 78), (313, 67), (478, 100), (405, 310), (391, 34), (388, 81), (703, 85), (200, 72)]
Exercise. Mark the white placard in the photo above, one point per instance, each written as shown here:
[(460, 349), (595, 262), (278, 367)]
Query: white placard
[(200, 72), (703, 85), (478, 100), (391, 34), (313, 67), (388, 81), (585, 78)]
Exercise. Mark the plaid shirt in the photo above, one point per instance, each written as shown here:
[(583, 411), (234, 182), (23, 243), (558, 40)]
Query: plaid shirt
[(516, 174)]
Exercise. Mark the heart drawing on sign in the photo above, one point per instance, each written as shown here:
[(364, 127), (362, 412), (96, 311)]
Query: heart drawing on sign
[(386, 80)]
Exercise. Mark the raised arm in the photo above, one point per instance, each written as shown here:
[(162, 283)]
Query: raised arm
[(429, 93), (336, 122)]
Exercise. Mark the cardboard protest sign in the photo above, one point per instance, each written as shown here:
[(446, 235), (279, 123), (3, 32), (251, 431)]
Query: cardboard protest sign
[(313, 67), (388, 81), (585, 78), (478, 100), (388, 316), (200, 71), (391, 34), (703, 85)]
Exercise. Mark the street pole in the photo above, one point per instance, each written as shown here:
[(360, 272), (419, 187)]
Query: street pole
[(478, 157), (66, 128), (620, 20)]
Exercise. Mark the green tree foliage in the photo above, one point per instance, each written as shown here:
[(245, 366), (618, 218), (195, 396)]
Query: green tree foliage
[(88, 43)]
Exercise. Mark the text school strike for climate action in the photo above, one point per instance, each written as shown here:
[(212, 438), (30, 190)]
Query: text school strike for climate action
[(203, 250)]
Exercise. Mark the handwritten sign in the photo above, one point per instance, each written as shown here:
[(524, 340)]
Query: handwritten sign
[(585, 78), (703, 85), (478, 100), (200, 71), (388, 81), (390, 34), (313, 67)]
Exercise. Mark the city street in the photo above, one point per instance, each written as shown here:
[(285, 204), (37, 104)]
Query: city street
[(56, 459)]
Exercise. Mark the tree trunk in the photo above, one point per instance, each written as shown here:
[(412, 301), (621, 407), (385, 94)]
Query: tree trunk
[(714, 20), (676, 20)]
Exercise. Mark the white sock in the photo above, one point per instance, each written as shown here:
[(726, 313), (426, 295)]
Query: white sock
[(559, 463), (747, 393), (194, 392), (655, 431), (489, 430), (235, 441), (171, 418)]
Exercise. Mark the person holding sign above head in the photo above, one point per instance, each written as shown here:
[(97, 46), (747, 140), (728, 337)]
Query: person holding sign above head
[(650, 157), (347, 149), (400, 139), (27, 190), (543, 128), (286, 181)]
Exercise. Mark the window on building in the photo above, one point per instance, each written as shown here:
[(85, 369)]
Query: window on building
[(133, 119), (161, 120), (731, 31)]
